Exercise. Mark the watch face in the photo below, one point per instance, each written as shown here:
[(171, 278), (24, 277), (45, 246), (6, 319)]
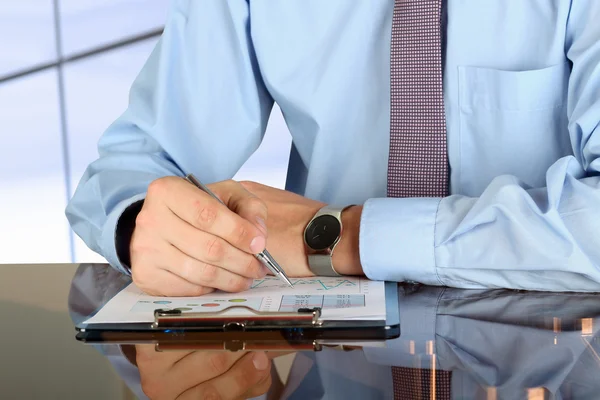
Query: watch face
[(322, 232)]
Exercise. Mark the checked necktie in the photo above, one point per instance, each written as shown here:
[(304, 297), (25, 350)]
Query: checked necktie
[(418, 160)]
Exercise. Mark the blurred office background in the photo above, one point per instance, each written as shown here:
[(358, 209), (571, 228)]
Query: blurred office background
[(66, 67)]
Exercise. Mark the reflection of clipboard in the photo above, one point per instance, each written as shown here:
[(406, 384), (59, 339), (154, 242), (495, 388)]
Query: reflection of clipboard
[(303, 329)]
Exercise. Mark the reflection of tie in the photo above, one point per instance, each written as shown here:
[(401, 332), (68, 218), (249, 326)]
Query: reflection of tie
[(417, 384), (418, 161)]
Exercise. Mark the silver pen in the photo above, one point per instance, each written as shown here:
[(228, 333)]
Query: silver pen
[(264, 256)]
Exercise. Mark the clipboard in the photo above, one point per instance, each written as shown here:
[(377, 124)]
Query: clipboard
[(256, 330)]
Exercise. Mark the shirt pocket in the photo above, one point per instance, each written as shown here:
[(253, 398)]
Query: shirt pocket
[(494, 89), (511, 122)]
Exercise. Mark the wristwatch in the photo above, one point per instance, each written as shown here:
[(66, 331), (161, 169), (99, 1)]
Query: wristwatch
[(321, 235)]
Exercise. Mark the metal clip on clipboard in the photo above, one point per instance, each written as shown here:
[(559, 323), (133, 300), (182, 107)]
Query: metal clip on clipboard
[(303, 318)]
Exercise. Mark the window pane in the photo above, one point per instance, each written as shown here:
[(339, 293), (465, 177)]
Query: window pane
[(97, 91), (27, 32), (32, 188), (88, 24)]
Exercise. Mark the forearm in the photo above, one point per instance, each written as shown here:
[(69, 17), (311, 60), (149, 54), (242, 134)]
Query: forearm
[(511, 237), (179, 118)]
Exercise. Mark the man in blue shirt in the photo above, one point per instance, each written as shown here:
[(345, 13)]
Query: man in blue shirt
[(521, 86)]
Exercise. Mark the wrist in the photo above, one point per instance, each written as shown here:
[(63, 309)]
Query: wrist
[(346, 256)]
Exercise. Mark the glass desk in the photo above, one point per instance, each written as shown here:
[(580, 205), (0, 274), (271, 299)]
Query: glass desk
[(458, 344)]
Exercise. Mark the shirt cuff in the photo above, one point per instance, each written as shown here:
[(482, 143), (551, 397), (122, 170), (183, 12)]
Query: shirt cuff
[(396, 239), (109, 233)]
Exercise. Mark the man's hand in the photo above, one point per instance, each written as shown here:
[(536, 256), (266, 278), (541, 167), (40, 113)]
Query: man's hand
[(202, 374), (185, 243), (289, 214)]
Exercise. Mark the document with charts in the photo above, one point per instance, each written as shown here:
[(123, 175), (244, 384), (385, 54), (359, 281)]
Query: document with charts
[(344, 298)]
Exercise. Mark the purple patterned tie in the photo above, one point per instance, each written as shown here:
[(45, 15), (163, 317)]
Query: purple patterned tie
[(418, 161)]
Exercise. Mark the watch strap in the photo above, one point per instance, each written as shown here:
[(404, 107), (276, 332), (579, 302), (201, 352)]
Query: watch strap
[(331, 210), (321, 265)]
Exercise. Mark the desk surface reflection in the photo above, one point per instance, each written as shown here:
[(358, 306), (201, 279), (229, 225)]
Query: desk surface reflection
[(484, 344)]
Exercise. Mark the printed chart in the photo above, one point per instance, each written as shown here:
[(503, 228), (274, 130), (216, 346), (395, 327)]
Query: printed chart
[(291, 303), (320, 284), (338, 297), (203, 304)]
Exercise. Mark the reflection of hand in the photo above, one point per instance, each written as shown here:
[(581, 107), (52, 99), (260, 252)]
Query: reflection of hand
[(202, 374)]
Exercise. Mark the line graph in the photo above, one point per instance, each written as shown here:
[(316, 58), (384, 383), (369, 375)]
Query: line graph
[(318, 284)]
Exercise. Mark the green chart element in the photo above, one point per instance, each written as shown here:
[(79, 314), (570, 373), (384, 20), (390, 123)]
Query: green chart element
[(237, 300)]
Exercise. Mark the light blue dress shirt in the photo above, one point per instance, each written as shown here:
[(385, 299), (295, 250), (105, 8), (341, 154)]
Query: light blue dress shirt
[(522, 98)]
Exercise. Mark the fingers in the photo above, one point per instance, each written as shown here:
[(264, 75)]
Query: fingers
[(156, 363), (185, 240), (166, 375), (260, 388), (206, 365), (209, 249), (204, 274), (159, 267), (205, 213), (250, 374), (244, 203), (158, 282)]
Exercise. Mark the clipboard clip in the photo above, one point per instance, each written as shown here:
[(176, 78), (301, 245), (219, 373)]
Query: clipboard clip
[(228, 321)]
